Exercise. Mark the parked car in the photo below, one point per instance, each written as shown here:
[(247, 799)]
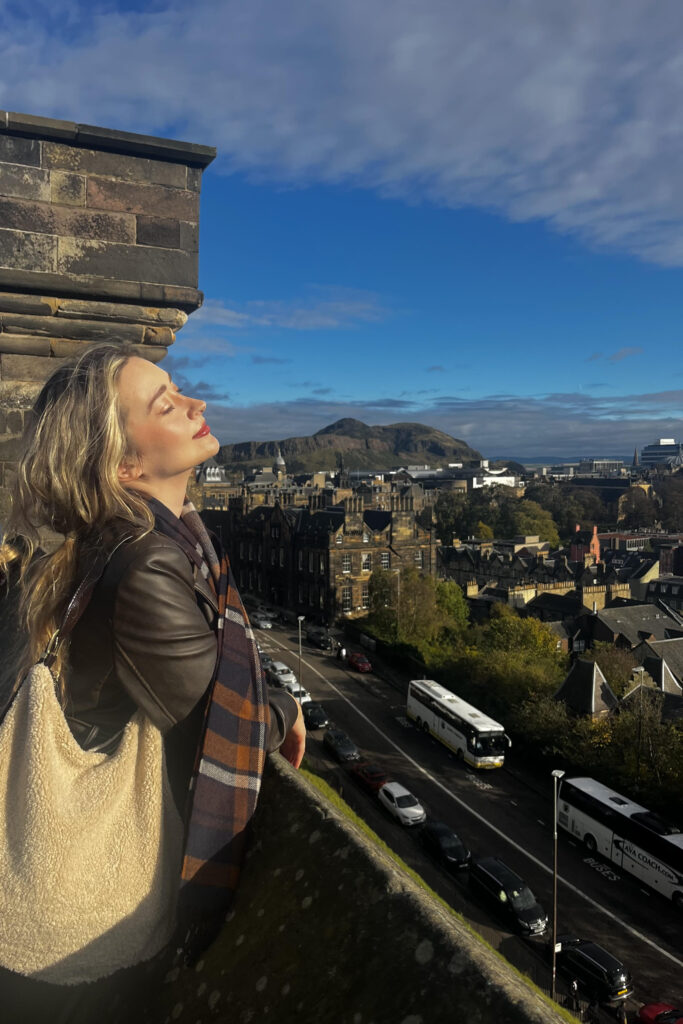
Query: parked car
[(598, 973), (444, 846), (319, 637), (659, 1013), (266, 660), (315, 716), (401, 804), (508, 894), (298, 692), (278, 674), (341, 746), (260, 621), (369, 776), (359, 662)]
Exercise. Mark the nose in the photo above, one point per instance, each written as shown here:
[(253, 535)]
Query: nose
[(197, 406)]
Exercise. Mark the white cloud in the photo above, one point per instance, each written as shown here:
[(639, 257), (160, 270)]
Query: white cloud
[(322, 309), (565, 112)]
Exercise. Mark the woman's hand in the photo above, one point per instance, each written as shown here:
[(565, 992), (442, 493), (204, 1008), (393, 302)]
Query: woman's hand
[(294, 743)]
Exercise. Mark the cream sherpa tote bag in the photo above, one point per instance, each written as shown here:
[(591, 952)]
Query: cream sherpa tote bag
[(90, 844)]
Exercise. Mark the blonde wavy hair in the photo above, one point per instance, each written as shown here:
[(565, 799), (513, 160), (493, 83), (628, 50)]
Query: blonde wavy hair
[(67, 481)]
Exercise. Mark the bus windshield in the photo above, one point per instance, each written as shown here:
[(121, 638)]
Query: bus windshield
[(488, 746)]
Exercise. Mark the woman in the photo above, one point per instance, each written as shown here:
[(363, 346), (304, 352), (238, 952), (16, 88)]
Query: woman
[(108, 456)]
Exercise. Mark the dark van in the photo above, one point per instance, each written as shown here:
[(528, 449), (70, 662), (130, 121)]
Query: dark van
[(508, 894), (319, 637)]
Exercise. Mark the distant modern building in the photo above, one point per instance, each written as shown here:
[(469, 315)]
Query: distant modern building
[(601, 467), (664, 452)]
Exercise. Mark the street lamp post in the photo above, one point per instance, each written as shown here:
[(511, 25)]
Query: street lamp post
[(557, 774), (300, 619)]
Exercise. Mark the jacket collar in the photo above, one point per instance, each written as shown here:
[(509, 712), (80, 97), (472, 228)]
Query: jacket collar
[(203, 587)]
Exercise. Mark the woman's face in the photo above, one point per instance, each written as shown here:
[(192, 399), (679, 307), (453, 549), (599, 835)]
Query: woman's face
[(166, 430)]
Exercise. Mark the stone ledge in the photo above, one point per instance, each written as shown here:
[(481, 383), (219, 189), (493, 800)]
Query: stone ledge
[(328, 928), (106, 138), (101, 288)]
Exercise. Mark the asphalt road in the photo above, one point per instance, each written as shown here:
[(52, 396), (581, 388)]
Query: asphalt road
[(502, 813)]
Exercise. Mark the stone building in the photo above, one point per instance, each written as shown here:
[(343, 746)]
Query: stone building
[(98, 242), (318, 562)]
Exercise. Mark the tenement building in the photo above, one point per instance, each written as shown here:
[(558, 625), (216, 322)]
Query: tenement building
[(318, 562)]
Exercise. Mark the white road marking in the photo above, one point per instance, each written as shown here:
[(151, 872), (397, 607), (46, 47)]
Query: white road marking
[(539, 864)]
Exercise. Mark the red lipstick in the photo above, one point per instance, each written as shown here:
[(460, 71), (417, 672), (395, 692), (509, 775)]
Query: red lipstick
[(203, 431)]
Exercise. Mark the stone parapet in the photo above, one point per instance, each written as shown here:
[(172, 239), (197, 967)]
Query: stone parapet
[(99, 239), (328, 928)]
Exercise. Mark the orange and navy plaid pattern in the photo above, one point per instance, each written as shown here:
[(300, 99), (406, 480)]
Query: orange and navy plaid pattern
[(231, 753)]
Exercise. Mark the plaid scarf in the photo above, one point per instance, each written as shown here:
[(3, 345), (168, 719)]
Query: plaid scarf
[(231, 752)]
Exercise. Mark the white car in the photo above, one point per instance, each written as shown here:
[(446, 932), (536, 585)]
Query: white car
[(260, 621), (280, 674), (401, 804), (297, 692)]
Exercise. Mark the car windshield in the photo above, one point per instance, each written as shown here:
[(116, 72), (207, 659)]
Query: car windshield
[(407, 800), (523, 899), (489, 746), (449, 842)]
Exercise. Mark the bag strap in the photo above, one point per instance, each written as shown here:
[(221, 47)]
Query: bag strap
[(79, 602)]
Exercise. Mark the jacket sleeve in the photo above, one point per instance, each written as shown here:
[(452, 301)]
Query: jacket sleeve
[(164, 649)]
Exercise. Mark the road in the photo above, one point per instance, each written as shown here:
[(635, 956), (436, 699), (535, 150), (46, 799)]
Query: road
[(496, 813)]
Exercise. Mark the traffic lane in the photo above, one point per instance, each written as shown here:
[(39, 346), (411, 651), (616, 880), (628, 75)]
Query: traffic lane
[(501, 810), (526, 956), (653, 975)]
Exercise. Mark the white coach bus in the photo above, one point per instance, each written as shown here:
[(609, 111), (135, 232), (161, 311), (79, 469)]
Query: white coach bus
[(623, 832), (469, 733)]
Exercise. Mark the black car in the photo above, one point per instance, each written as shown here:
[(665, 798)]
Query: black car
[(444, 845), (315, 716), (319, 637), (340, 745), (509, 895), (598, 973)]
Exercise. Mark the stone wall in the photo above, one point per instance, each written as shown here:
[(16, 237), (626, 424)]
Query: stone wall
[(98, 242), (329, 930)]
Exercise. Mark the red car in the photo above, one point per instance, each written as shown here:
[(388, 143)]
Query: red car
[(660, 1013), (359, 662), (369, 776)]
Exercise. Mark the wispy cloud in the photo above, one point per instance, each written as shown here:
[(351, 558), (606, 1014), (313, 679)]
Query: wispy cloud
[(625, 353), (320, 309), (261, 360), (436, 369), (558, 112)]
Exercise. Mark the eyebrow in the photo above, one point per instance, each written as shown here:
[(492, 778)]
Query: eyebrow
[(159, 392)]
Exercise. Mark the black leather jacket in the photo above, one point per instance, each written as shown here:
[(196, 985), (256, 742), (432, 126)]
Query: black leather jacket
[(147, 640)]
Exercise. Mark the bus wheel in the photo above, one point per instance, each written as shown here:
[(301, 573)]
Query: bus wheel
[(590, 843), (418, 723), (677, 900), (425, 726)]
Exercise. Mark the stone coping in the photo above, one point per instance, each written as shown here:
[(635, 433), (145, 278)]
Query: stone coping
[(92, 137)]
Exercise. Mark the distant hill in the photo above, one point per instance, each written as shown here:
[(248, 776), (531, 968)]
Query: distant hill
[(361, 446)]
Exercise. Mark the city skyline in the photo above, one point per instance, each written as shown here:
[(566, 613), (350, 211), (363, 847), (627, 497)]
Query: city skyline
[(457, 216)]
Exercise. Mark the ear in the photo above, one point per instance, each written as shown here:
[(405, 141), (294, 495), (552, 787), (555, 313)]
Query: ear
[(129, 470)]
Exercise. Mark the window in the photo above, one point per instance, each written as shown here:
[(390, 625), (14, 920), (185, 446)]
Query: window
[(386, 560), (346, 599), (301, 593), (282, 557), (241, 549), (300, 562), (251, 552), (311, 561), (339, 538), (322, 597), (275, 532), (321, 563), (418, 559), (366, 537), (366, 562), (272, 556), (346, 563), (259, 553), (365, 596)]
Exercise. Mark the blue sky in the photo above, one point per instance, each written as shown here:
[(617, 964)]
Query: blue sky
[(465, 215)]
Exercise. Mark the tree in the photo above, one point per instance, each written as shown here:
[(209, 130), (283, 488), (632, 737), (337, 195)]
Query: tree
[(616, 664), (448, 510), (636, 509), (452, 603), (527, 518), (670, 492)]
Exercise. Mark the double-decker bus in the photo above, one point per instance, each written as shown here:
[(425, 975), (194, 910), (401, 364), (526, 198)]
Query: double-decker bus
[(468, 732), (631, 837)]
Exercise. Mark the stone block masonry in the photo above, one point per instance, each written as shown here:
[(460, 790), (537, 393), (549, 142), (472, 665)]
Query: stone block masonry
[(98, 242)]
